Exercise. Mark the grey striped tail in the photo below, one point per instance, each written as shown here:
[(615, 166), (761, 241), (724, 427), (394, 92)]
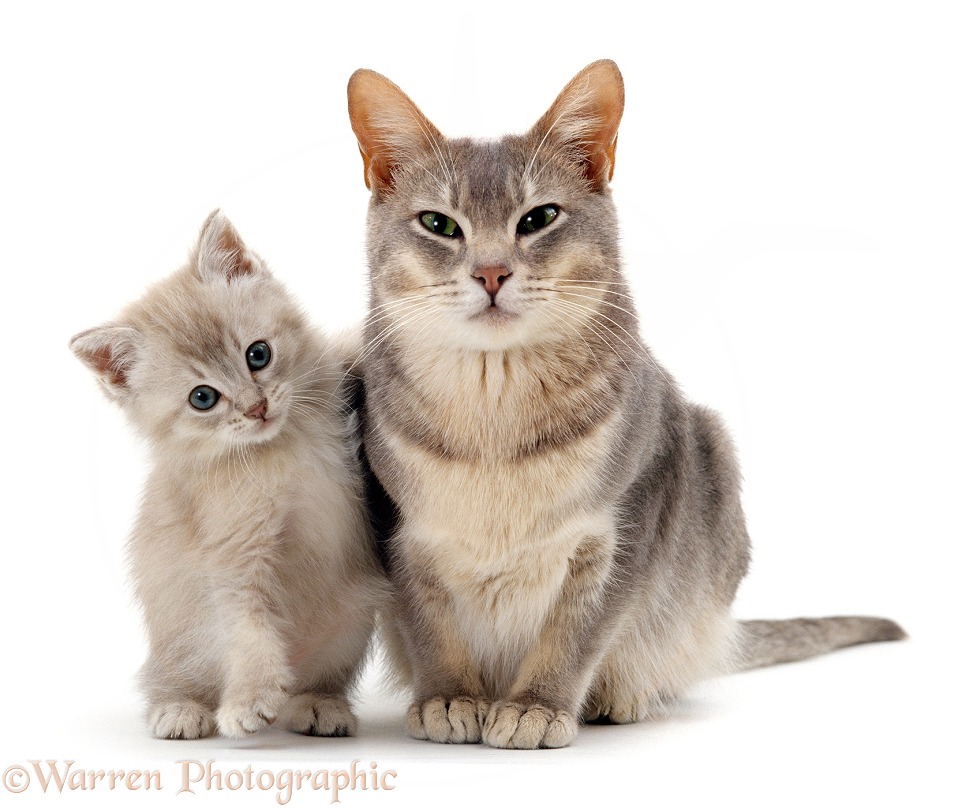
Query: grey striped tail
[(769, 642)]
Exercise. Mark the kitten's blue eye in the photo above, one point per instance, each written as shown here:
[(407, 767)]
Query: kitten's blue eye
[(440, 224), (258, 356), (537, 218), (204, 397)]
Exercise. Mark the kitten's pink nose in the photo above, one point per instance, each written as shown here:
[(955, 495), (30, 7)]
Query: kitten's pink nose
[(492, 278), (258, 411)]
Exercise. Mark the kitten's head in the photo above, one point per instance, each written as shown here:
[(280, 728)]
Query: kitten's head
[(212, 357), (490, 244)]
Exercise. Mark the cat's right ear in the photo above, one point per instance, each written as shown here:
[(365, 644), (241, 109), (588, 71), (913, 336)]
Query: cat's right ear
[(389, 126), (110, 351)]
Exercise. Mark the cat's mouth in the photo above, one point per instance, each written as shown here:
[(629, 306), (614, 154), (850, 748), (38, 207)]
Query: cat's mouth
[(494, 314)]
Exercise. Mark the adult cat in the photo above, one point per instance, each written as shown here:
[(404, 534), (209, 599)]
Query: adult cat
[(570, 536)]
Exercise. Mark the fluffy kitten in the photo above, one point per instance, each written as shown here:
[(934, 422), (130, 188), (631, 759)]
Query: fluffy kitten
[(250, 555), (570, 536)]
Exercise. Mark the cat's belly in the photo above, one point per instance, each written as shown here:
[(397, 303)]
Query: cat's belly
[(499, 537)]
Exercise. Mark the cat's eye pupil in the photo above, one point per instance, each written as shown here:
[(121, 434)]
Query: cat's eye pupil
[(204, 397), (440, 224), (537, 218), (258, 355)]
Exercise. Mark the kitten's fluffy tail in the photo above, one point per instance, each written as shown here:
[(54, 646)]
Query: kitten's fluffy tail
[(769, 642)]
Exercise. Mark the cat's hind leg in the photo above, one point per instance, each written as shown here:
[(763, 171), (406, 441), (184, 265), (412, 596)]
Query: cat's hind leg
[(651, 664)]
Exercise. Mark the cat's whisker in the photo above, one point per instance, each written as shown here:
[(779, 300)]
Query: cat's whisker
[(574, 291), (590, 287), (448, 178), (413, 314), (594, 317), (592, 325)]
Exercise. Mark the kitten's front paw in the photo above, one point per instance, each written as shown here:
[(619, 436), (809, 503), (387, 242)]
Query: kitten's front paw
[(243, 714), (314, 714), (510, 725), (181, 720), (447, 720)]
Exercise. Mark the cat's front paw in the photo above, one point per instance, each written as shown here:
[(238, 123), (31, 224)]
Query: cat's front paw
[(447, 720), (181, 720), (314, 714), (511, 725), (243, 714)]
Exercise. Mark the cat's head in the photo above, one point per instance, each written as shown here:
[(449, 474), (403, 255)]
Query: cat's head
[(210, 358), (489, 244)]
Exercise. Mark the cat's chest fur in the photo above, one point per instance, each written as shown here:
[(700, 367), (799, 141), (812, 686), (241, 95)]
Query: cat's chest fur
[(498, 462)]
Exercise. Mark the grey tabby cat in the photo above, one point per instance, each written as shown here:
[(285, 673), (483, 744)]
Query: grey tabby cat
[(570, 536), (251, 556)]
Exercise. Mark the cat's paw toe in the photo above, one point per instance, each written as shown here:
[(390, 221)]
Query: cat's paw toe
[(243, 714), (183, 720), (447, 720), (314, 714), (511, 725)]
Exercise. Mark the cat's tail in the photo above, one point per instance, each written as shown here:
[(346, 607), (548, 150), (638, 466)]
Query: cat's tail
[(769, 642)]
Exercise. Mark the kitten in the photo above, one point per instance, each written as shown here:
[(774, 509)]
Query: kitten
[(250, 555), (570, 536)]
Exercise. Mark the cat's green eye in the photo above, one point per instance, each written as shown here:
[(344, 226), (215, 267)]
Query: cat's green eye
[(204, 397), (258, 355), (440, 224), (537, 218)]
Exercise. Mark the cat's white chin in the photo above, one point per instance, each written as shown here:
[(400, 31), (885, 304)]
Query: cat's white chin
[(498, 330)]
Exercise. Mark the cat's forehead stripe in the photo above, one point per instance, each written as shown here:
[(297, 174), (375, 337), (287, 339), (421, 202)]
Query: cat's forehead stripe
[(489, 182)]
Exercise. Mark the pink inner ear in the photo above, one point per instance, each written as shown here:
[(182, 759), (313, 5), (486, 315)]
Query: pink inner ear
[(239, 263), (388, 125), (109, 366), (586, 115)]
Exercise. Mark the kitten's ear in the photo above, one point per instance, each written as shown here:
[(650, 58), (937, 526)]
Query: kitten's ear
[(584, 119), (221, 254), (110, 352), (389, 127)]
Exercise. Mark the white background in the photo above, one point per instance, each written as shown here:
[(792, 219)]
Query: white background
[(795, 187)]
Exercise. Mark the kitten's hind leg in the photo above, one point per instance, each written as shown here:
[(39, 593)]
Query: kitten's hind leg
[(178, 707), (319, 714), (181, 720)]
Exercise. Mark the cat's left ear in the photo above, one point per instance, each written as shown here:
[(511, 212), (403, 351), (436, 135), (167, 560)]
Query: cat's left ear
[(110, 351), (584, 120), (221, 254)]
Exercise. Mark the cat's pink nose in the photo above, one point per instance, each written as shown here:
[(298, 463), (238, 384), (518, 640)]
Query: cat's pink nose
[(258, 411), (492, 278)]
